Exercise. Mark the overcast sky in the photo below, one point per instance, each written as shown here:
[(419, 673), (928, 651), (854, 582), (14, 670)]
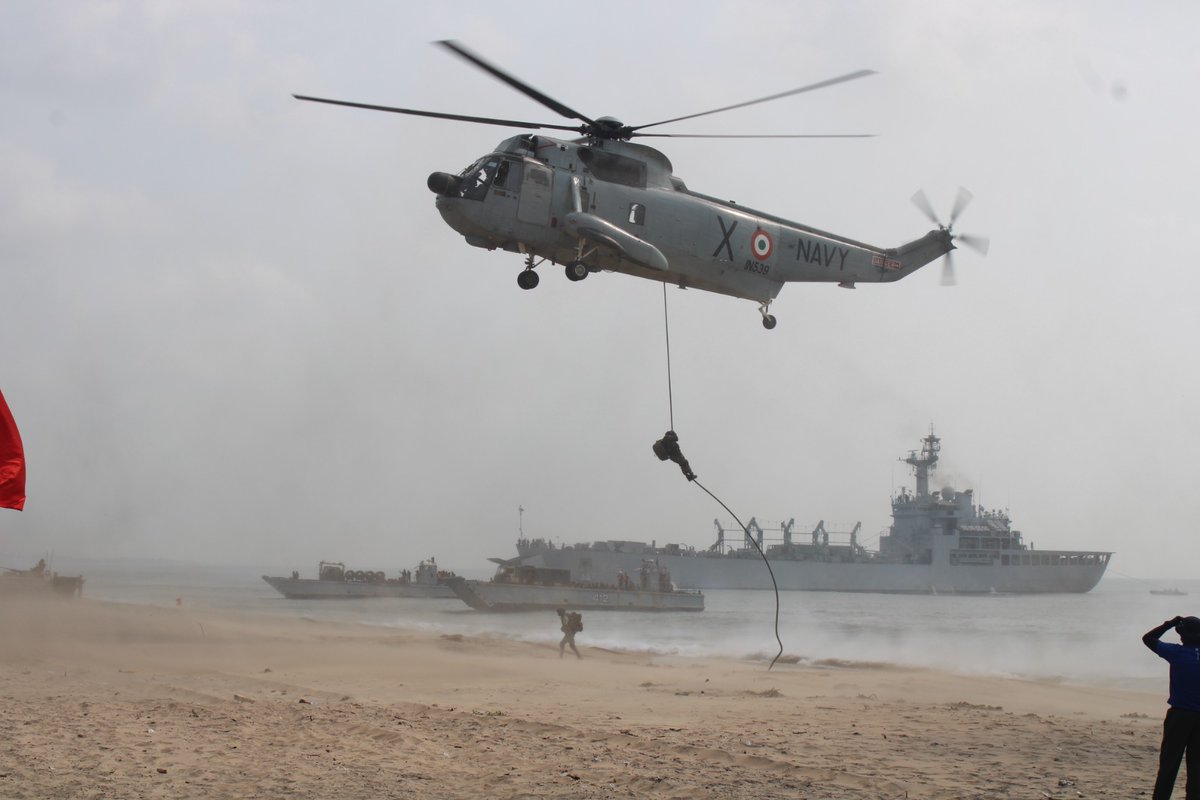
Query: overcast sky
[(236, 330)]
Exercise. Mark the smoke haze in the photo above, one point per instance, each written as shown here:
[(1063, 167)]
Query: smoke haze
[(236, 330)]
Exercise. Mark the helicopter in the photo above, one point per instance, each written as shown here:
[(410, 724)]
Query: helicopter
[(600, 202)]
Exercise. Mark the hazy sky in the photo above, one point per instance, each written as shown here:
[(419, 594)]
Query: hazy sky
[(235, 328)]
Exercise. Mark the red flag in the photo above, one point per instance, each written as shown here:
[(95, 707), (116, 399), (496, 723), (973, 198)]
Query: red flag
[(12, 461)]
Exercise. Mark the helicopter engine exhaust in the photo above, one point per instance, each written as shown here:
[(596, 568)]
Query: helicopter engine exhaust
[(444, 183)]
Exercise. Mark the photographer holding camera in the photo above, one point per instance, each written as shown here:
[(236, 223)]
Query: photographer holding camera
[(1181, 728)]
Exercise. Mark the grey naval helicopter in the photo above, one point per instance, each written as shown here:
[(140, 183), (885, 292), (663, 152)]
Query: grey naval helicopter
[(599, 202)]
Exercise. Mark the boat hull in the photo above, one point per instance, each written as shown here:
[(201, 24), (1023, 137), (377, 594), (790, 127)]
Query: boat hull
[(493, 596), (57, 585), (313, 589), (703, 571)]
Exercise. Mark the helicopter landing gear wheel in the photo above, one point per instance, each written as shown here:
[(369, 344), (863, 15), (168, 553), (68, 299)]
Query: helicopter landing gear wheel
[(527, 279), (768, 319), (577, 271)]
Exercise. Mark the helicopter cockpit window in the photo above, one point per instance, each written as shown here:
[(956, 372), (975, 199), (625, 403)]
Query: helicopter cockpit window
[(637, 213), (501, 174), (477, 177)]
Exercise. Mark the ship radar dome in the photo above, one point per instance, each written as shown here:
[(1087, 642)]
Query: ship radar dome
[(948, 493)]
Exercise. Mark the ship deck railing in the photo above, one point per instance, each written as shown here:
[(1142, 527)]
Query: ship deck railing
[(1030, 558)]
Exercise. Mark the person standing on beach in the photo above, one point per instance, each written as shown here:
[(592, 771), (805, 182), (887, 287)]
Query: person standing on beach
[(572, 623), (1181, 728)]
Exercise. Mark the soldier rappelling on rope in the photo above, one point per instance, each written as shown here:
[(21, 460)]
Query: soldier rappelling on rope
[(667, 449)]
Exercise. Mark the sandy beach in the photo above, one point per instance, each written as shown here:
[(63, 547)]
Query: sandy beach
[(101, 700)]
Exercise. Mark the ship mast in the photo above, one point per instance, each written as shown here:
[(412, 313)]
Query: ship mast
[(926, 462)]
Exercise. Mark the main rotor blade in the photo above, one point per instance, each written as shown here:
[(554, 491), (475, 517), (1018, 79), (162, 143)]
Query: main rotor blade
[(508, 123), (961, 201), (520, 86), (757, 135), (862, 73), (922, 202), (979, 244)]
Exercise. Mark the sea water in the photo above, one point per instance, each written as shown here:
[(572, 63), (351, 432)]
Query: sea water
[(1091, 638)]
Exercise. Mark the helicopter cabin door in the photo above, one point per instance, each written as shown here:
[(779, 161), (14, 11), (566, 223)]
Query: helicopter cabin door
[(537, 189)]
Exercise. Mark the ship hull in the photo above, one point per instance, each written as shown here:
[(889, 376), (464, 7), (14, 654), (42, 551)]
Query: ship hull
[(492, 596), (59, 585), (313, 589), (704, 572)]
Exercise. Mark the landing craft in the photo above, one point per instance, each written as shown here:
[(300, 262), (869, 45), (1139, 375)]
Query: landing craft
[(602, 203)]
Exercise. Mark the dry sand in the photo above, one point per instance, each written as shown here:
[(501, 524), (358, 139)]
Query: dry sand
[(119, 701)]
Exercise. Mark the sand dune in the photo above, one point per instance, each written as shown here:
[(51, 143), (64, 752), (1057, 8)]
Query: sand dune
[(108, 700)]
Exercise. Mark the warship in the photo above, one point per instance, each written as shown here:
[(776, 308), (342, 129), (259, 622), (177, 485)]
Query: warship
[(335, 581), (529, 588), (938, 542)]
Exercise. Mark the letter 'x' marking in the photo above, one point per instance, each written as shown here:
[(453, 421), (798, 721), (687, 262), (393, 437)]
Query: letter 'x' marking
[(725, 242)]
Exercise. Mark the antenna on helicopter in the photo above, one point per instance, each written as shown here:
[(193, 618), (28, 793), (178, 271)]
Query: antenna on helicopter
[(977, 243)]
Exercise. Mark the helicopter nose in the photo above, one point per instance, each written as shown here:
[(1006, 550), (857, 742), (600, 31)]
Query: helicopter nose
[(443, 183)]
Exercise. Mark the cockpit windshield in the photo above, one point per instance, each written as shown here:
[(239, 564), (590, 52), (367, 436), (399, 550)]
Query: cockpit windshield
[(483, 173)]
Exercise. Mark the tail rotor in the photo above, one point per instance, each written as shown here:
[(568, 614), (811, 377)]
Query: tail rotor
[(977, 243)]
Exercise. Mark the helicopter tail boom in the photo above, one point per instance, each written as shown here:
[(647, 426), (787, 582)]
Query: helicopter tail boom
[(920, 252)]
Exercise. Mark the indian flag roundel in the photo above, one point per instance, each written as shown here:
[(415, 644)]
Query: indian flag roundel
[(761, 245)]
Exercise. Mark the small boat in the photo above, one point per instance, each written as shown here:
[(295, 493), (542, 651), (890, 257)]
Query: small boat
[(1169, 592), (39, 579), (528, 588), (335, 581)]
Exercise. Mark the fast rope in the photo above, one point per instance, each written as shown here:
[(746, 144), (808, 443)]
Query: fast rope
[(667, 448)]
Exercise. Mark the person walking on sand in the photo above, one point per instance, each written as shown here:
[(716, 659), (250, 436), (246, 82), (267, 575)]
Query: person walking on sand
[(572, 623), (1181, 728)]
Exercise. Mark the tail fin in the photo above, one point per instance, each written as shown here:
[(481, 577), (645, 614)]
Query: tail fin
[(916, 254)]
